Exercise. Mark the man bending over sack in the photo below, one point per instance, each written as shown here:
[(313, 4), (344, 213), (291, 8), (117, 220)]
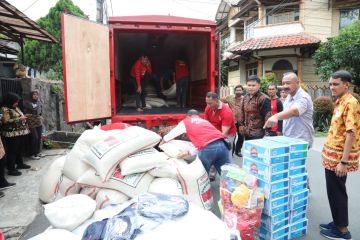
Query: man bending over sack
[(208, 140)]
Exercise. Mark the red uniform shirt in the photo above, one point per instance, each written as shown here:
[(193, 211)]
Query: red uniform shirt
[(138, 71), (274, 110), (201, 132), (181, 70), (223, 116)]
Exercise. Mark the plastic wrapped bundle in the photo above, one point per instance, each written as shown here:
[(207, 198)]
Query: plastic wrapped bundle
[(241, 201)]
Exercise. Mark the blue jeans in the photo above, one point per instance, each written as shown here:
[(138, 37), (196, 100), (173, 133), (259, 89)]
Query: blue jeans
[(215, 153)]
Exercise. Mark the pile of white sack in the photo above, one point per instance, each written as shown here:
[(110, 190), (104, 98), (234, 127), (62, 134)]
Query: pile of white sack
[(114, 166)]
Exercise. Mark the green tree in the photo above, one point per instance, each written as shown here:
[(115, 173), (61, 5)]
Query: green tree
[(340, 52), (45, 56)]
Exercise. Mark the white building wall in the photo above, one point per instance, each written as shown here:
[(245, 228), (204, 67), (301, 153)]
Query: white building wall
[(269, 62), (279, 29)]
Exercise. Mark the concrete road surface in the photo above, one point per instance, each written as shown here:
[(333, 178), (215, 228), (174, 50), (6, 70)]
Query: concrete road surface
[(22, 217)]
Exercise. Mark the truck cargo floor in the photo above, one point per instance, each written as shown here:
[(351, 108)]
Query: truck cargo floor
[(158, 110)]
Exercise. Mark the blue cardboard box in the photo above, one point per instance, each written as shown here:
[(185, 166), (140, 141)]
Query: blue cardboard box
[(274, 189), (298, 196), (276, 210), (298, 217), (267, 173), (298, 211), (297, 155), (298, 204), (282, 233), (273, 203), (297, 171), (298, 233), (298, 179), (299, 225), (272, 227), (298, 187), (295, 144), (266, 151), (297, 163), (274, 219)]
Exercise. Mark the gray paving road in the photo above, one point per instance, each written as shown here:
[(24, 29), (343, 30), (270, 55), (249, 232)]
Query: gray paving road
[(20, 208)]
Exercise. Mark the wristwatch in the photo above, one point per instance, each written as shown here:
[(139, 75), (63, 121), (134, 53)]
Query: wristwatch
[(344, 162)]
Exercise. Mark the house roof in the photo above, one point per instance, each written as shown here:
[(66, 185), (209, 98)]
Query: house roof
[(5, 49), (16, 25), (273, 42)]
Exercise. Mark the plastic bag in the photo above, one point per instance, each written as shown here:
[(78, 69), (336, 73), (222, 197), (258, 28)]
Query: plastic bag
[(241, 201)]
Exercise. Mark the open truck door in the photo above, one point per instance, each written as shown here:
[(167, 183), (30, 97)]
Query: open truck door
[(86, 64)]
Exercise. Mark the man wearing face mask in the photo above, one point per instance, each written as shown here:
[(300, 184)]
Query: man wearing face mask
[(297, 113), (255, 110)]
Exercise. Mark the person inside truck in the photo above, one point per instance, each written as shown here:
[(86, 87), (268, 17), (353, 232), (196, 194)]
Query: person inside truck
[(182, 79), (139, 71), (208, 140)]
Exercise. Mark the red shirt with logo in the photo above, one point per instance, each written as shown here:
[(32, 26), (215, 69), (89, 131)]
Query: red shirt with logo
[(201, 132), (223, 116), (138, 71), (181, 70)]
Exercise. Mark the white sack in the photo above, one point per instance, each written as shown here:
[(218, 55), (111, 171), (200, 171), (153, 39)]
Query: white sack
[(69, 212), (105, 155), (67, 187), (195, 184), (130, 185), (165, 186), (169, 170), (174, 147), (156, 102), (90, 191), (143, 161), (170, 92), (106, 197), (49, 184)]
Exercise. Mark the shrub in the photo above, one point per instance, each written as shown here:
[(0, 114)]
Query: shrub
[(323, 109)]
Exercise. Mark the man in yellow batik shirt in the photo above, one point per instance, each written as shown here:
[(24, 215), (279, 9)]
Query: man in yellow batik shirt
[(341, 154)]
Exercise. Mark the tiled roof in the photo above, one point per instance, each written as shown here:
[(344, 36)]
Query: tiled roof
[(280, 41)]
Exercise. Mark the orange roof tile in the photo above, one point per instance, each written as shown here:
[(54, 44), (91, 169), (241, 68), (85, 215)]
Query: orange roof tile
[(280, 41)]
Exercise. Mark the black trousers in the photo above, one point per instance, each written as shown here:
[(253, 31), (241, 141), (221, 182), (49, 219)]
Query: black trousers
[(238, 141), (140, 97), (35, 140), (338, 198), (3, 181), (14, 149), (181, 91)]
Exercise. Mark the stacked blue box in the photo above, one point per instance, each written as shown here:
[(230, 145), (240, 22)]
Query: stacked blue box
[(268, 161), (298, 183)]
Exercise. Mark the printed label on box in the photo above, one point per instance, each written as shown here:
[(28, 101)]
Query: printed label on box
[(298, 179), (297, 155), (297, 171), (298, 233), (264, 172), (299, 225), (297, 163), (298, 187)]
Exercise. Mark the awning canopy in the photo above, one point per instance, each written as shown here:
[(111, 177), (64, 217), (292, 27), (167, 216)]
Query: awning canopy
[(4, 49), (15, 25)]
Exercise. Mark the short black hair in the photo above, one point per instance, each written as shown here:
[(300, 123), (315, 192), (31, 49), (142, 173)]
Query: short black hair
[(192, 112), (11, 98), (272, 85), (345, 76), (239, 86), (212, 95), (254, 78)]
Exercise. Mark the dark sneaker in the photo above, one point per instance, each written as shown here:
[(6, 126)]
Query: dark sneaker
[(23, 166), (328, 226), (7, 185), (335, 234), (14, 173)]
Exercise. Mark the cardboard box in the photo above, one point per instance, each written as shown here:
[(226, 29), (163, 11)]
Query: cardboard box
[(298, 211), (273, 203), (297, 171), (299, 225), (297, 155), (277, 210), (298, 196), (298, 187), (297, 163), (282, 233), (301, 203), (266, 151), (267, 173), (299, 233), (296, 179), (275, 219), (274, 189), (295, 144), (272, 227), (298, 217)]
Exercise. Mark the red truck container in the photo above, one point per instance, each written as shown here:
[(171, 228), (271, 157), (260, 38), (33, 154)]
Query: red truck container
[(97, 60)]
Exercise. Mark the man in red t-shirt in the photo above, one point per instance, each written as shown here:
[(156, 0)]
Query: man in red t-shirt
[(276, 106), (221, 117), (139, 70), (208, 140), (182, 79)]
